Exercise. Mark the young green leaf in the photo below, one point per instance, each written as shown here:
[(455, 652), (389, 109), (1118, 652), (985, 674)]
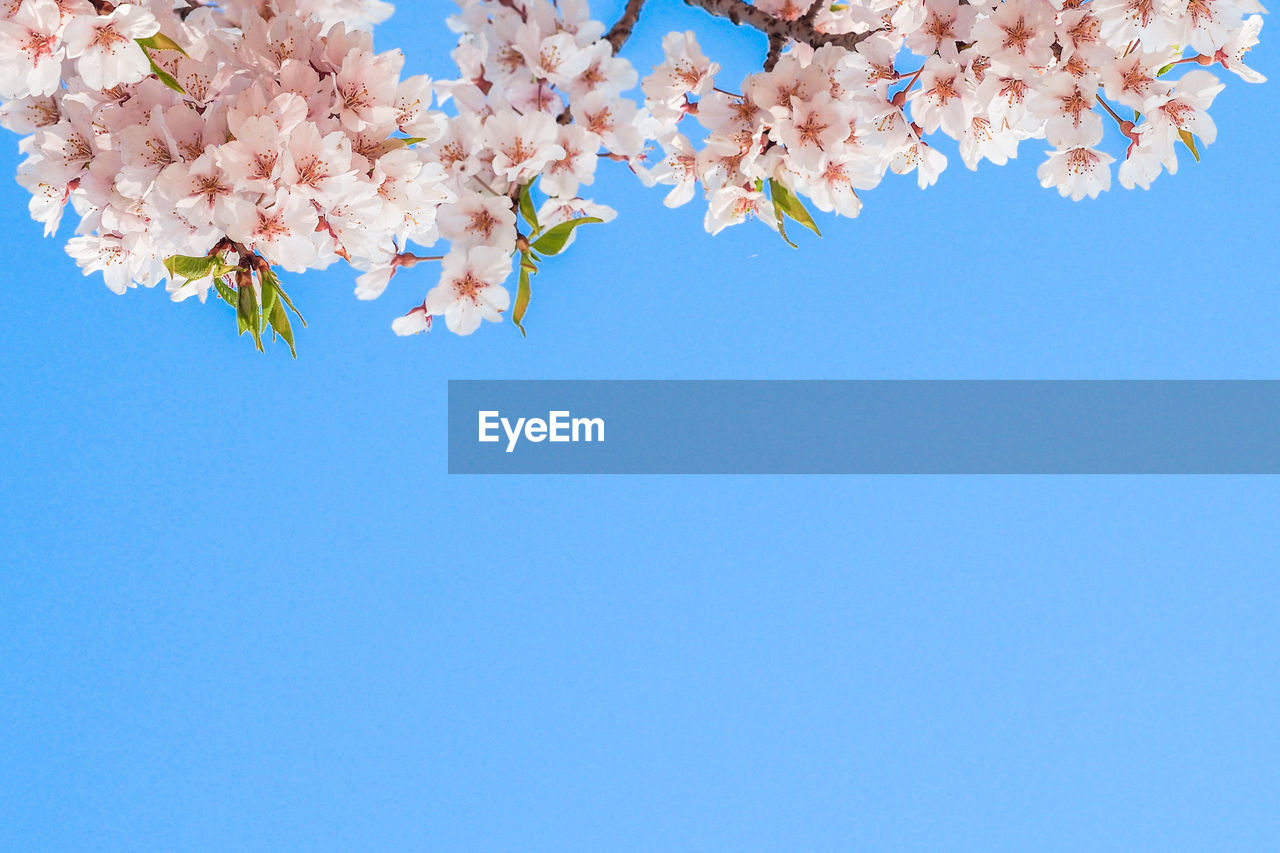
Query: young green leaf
[(275, 283), (248, 315), (164, 76), (270, 298), (395, 143), (192, 269), (527, 209), (552, 242), (228, 295), (279, 319), (781, 222), (792, 206), (160, 41), (522, 296), (1189, 140)]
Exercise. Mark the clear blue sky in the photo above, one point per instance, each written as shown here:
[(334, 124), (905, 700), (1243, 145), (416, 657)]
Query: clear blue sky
[(242, 607)]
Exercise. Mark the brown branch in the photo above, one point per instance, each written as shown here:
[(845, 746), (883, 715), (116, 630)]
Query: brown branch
[(802, 30), (812, 15), (776, 44), (622, 30)]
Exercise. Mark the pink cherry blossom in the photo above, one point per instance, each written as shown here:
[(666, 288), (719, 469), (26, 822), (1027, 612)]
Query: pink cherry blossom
[(247, 135), (104, 46)]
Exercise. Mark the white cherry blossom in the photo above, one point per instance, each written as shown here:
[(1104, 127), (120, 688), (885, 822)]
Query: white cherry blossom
[(245, 135), (104, 47), (31, 50), (470, 289)]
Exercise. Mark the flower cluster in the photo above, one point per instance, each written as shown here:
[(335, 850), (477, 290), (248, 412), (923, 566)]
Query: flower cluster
[(181, 130), (540, 99), (206, 145), (825, 122)]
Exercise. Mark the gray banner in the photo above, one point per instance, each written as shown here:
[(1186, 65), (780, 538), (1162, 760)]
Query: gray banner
[(864, 427)]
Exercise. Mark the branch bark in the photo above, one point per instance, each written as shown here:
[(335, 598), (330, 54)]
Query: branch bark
[(802, 30), (622, 29), (776, 44)]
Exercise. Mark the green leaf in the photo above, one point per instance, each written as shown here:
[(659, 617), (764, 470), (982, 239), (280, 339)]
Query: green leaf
[(275, 283), (228, 294), (279, 319), (781, 222), (1166, 69), (527, 209), (1189, 140), (160, 41), (552, 242), (248, 315), (790, 205), (395, 143), (522, 296), (165, 77), (192, 269), (270, 298)]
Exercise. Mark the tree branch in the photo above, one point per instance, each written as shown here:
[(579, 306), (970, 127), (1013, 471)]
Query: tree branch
[(622, 30), (776, 44), (802, 30)]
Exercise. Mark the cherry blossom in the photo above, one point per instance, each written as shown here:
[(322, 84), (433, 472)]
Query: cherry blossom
[(207, 146), (105, 49), (470, 289), (31, 50)]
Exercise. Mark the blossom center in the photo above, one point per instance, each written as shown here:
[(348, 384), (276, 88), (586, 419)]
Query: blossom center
[(1017, 36), (469, 287), (107, 38), (38, 45), (1081, 161)]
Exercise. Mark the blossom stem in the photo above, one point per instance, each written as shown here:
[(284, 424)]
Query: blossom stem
[(490, 189), (901, 97), (1126, 126), (1107, 107), (915, 77)]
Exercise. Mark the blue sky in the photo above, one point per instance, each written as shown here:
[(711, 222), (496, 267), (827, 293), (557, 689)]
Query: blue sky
[(245, 608)]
